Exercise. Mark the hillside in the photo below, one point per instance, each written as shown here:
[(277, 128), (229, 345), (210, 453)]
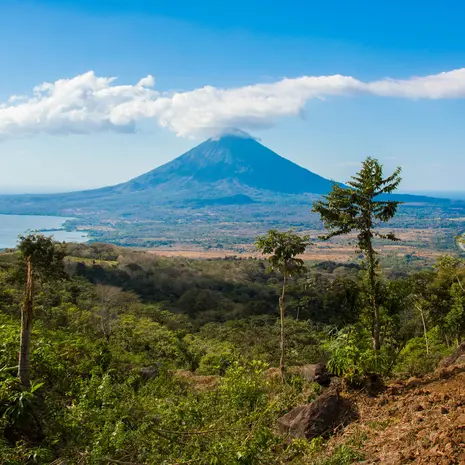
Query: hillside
[(141, 359), (424, 417)]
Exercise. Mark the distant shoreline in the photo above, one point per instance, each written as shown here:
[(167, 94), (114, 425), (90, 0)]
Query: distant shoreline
[(13, 226)]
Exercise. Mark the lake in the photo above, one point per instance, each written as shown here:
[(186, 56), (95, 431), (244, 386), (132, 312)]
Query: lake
[(11, 226)]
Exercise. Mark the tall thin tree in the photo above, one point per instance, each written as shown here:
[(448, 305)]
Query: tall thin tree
[(43, 260), (362, 206), (283, 248)]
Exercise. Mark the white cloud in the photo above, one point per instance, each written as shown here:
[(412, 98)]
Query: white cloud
[(87, 103), (450, 84), (83, 104), (147, 81), (261, 105)]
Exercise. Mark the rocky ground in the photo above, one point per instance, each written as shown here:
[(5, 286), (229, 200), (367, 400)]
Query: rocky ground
[(419, 421)]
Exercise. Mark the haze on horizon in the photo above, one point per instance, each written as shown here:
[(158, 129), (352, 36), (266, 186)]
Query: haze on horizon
[(146, 83)]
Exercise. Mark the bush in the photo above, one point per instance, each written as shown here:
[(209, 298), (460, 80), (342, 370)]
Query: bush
[(415, 361), (244, 384), (217, 359), (352, 356)]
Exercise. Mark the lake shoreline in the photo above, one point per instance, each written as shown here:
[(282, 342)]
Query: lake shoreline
[(13, 226)]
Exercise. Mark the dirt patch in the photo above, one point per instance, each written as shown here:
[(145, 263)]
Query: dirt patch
[(198, 382), (421, 422)]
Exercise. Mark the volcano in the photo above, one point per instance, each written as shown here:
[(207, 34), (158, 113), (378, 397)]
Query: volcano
[(231, 169), (240, 161)]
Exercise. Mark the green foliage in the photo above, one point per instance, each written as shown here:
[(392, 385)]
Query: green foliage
[(283, 248), (9, 334), (144, 341), (352, 355), (342, 455), (244, 384), (454, 321), (165, 387), (354, 207), (255, 338), (414, 360), (45, 255), (217, 359), (17, 403)]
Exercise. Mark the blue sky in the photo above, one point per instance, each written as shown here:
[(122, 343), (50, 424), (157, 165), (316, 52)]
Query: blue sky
[(189, 45)]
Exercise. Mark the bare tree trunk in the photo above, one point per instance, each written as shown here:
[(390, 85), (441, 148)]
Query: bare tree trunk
[(460, 284), (376, 330), (448, 343), (281, 313), (105, 323), (425, 332), (26, 327)]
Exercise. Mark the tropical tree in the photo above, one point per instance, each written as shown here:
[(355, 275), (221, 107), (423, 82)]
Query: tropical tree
[(361, 206), (43, 260), (283, 248)]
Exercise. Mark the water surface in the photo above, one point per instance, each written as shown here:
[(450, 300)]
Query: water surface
[(11, 226)]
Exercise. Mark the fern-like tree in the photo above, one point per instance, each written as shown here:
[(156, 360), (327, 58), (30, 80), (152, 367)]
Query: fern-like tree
[(43, 260), (362, 206), (282, 249)]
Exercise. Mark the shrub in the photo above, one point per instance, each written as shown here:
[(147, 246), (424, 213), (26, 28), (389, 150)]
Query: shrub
[(415, 361), (352, 356), (217, 359)]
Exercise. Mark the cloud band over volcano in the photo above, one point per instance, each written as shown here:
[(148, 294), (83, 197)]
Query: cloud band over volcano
[(89, 104)]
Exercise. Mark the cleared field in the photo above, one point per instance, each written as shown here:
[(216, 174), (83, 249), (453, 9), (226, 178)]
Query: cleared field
[(420, 242)]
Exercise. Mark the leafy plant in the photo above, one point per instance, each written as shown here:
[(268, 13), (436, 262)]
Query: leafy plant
[(353, 357)]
